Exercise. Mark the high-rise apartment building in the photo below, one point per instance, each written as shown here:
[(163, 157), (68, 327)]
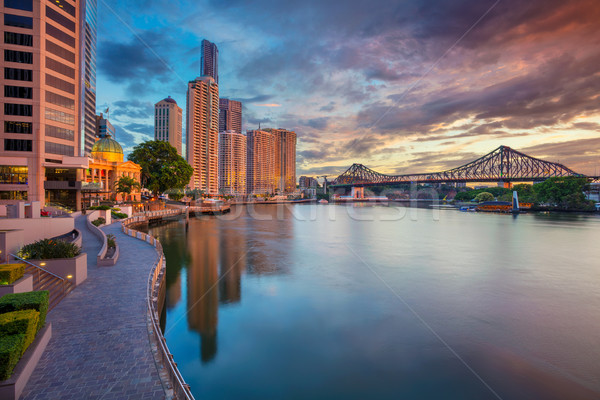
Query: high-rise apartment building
[(168, 123), (232, 163), (285, 160), (40, 124), (209, 62), (230, 115), (103, 127), (88, 84), (202, 133), (260, 162)]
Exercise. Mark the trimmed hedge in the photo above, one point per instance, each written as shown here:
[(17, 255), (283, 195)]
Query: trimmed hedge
[(99, 221), (27, 301), (103, 207), (10, 273), (20, 322), (49, 249), (10, 354), (118, 215)]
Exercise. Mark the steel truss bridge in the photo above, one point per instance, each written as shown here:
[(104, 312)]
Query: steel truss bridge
[(501, 165)]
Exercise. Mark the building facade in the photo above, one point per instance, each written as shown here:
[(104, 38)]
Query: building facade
[(40, 124), (232, 163), (260, 162), (209, 62), (103, 127), (88, 77), (285, 160), (168, 123), (230, 115), (202, 134)]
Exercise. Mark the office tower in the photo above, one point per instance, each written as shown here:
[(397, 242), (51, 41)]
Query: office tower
[(209, 63), (168, 122), (230, 115), (285, 160), (260, 162), (202, 133), (232, 163), (103, 127), (41, 100), (88, 84)]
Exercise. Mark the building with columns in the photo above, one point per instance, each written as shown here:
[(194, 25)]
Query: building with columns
[(168, 123), (232, 163)]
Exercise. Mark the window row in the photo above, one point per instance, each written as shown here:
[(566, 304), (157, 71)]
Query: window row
[(18, 21), (25, 110), (18, 92), (24, 57), (13, 175), (59, 100), (59, 18), (18, 145), (18, 38), (60, 133), (60, 116), (60, 35), (25, 5), (63, 5), (60, 51), (13, 195), (18, 74), (60, 84), (18, 127), (60, 68), (61, 149)]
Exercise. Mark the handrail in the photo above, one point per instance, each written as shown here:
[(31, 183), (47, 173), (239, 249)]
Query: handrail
[(181, 389), (38, 267)]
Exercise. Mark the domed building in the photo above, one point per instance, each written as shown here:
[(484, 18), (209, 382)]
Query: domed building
[(106, 167)]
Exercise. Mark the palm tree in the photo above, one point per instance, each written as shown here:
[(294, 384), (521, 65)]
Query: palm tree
[(126, 185)]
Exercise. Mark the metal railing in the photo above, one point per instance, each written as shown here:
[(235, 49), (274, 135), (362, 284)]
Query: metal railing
[(181, 390), (58, 287)]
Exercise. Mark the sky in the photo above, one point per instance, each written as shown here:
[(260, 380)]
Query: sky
[(402, 86)]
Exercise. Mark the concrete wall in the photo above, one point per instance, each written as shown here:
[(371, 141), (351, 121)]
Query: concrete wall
[(16, 232)]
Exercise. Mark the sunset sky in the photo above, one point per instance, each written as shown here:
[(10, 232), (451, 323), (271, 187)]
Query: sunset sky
[(400, 86)]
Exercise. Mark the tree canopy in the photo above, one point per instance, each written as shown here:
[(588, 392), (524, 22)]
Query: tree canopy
[(162, 167), (484, 196)]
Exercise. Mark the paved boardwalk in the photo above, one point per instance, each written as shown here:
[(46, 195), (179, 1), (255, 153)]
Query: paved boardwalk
[(100, 347)]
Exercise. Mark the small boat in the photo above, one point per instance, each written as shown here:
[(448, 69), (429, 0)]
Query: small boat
[(323, 201)]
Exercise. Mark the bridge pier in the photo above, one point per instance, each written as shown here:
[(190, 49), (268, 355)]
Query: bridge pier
[(358, 192), (505, 185)]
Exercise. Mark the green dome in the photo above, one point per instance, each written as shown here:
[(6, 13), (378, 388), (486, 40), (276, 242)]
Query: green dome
[(107, 145)]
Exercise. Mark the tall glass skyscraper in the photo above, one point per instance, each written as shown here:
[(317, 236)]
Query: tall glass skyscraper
[(88, 82), (209, 65)]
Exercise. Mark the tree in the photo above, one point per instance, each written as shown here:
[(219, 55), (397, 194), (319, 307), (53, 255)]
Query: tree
[(563, 192), (484, 196), (162, 167), (125, 185)]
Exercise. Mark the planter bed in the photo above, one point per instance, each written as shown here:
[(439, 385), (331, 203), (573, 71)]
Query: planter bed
[(25, 284)]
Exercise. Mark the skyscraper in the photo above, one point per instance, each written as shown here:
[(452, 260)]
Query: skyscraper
[(88, 84), (230, 115), (168, 122), (285, 160), (232, 163), (202, 133), (40, 127), (260, 162), (209, 62)]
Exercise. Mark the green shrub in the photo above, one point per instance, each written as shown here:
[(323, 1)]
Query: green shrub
[(111, 240), (10, 353), (48, 249), (20, 322), (99, 221), (102, 207), (119, 215), (10, 273), (26, 301)]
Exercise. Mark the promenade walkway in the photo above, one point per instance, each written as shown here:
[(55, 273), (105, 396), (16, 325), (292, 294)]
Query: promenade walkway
[(100, 347)]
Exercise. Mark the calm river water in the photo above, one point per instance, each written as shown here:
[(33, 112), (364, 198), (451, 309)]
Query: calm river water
[(384, 302)]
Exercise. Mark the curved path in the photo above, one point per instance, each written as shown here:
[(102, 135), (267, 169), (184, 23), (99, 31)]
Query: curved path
[(100, 347)]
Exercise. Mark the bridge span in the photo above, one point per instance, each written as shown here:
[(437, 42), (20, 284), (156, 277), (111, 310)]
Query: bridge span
[(501, 165)]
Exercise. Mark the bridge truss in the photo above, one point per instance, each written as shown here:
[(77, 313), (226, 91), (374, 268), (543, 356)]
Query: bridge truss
[(503, 164)]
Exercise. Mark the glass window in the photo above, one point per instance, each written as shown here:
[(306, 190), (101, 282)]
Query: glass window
[(13, 195), (60, 51), (25, 5), (63, 5), (18, 92), (61, 149), (61, 19), (61, 133), (60, 100), (13, 175), (18, 38), (18, 21), (24, 57), (18, 127), (25, 110), (18, 74), (60, 116), (60, 84), (60, 35), (17, 145), (60, 68)]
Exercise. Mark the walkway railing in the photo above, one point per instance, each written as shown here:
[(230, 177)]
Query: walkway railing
[(181, 390), (58, 287)]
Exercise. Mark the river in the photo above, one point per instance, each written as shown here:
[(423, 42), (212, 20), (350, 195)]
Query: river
[(384, 302)]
